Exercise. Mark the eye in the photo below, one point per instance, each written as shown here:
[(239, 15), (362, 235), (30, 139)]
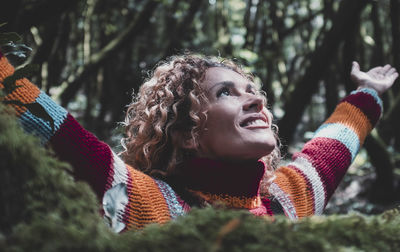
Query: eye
[(225, 91), (252, 91)]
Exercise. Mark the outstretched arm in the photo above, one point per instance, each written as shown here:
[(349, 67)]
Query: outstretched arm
[(305, 185), (131, 198)]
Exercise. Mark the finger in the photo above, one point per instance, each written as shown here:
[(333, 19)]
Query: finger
[(391, 71), (355, 68), (386, 68), (394, 76)]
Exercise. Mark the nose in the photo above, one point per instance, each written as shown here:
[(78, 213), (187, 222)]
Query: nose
[(253, 102)]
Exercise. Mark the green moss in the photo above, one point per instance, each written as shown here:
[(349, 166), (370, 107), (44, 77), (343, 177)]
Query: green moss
[(43, 209), (223, 230)]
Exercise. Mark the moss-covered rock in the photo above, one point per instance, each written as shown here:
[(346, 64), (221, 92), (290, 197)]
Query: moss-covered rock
[(43, 209), (215, 230)]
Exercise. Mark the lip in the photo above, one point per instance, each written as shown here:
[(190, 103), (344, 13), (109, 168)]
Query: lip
[(254, 117)]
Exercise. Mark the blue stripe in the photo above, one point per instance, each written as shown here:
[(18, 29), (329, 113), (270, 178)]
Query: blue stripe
[(175, 209), (371, 92), (36, 126), (341, 133), (39, 127), (56, 112)]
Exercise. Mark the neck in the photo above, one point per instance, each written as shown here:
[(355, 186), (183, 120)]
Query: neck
[(235, 184)]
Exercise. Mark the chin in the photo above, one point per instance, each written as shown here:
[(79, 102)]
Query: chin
[(260, 152), (268, 150)]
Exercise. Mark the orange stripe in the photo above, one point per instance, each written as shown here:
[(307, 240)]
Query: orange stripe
[(231, 201), (146, 202), (27, 93), (295, 185), (6, 68), (353, 118)]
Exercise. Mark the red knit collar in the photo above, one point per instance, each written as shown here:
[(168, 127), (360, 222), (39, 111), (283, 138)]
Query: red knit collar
[(233, 183)]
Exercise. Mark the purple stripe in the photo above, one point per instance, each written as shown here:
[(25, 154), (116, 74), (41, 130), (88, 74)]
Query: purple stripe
[(91, 158), (367, 104), (331, 159)]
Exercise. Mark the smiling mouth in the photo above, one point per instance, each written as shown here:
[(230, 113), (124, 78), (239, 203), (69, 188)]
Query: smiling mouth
[(254, 123)]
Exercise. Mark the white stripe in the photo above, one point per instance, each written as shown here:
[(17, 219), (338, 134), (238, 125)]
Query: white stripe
[(312, 175), (120, 171), (175, 209), (114, 201), (343, 134), (284, 200)]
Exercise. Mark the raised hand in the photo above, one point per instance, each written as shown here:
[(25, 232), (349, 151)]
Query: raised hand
[(378, 78)]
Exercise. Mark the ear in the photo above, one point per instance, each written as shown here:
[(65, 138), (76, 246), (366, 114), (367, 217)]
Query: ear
[(184, 140)]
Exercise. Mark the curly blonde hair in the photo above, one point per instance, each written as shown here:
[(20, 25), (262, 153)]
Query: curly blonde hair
[(170, 103)]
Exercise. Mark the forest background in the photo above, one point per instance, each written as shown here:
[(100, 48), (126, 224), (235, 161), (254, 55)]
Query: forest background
[(93, 54)]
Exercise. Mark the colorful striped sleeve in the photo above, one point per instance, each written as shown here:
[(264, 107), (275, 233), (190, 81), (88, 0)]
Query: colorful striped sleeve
[(130, 197), (304, 186)]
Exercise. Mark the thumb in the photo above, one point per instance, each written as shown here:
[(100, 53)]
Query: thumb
[(355, 72), (355, 68)]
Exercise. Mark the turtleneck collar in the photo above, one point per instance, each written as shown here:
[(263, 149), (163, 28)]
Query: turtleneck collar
[(235, 184)]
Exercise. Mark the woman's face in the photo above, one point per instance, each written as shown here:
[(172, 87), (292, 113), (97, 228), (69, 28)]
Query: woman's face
[(238, 125)]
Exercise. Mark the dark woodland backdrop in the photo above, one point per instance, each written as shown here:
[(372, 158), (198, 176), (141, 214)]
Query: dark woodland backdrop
[(93, 54)]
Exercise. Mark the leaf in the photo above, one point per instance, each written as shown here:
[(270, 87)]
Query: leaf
[(36, 109)]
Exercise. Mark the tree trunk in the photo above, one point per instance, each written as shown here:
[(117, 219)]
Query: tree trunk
[(383, 189), (135, 27), (347, 16), (395, 23), (331, 93), (175, 41)]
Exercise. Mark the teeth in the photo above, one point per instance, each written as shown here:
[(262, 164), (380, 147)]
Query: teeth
[(257, 122)]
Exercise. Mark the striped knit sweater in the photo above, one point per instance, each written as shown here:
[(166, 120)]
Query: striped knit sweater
[(132, 199)]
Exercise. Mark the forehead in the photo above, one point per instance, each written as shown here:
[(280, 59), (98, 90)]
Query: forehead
[(216, 75)]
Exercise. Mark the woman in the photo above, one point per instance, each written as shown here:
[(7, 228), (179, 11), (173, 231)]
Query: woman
[(199, 133)]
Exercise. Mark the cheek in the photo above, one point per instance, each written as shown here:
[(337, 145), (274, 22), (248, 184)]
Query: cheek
[(222, 114)]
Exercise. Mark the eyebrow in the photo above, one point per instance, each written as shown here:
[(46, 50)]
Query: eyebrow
[(230, 84)]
